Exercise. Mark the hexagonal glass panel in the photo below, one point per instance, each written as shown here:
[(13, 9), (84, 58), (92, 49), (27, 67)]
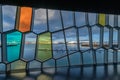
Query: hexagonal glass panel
[(9, 14), (115, 38), (18, 65), (102, 19), (34, 65), (2, 68), (111, 20), (110, 55), (13, 40), (25, 19), (80, 19), (75, 59), (92, 18), (67, 17), (49, 63), (106, 37), (96, 36), (62, 61), (88, 57), (40, 21), (71, 40), (29, 46), (54, 20), (44, 48), (84, 38), (100, 56), (58, 44)]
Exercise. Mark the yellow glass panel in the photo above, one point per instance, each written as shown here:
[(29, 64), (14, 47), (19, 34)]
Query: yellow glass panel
[(102, 19), (25, 19), (44, 47)]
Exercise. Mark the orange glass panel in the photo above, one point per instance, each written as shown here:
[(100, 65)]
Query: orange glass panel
[(25, 19)]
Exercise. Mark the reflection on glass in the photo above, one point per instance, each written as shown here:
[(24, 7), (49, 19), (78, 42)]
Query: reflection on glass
[(87, 57), (40, 21), (110, 56), (2, 67), (34, 64), (49, 63), (29, 46), (67, 18), (18, 75), (96, 36), (44, 50), (54, 20), (100, 56), (92, 18), (111, 20), (9, 14), (0, 49), (25, 19), (84, 38), (102, 19), (58, 44), (44, 77), (13, 46), (106, 37), (80, 19), (62, 62), (75, 58), (115, 38)]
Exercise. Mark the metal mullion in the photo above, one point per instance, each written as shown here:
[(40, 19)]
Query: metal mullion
[(115, 56), (22, 46), (64, 37), (101, 36), (32, 19), (1, 19), (105, 56), (115, 20), (47, 19)]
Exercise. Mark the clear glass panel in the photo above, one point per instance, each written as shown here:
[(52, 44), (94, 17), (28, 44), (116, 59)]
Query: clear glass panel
[(96, 36), (92, 18), (115, 38), (54, 20), (13, 45), (25, 19), (0, 49), (101, 19), (29, 46), (2, 67), (106, 37), (87, 57), (80, 19), (71, 40), (100, 71), (9, 14), (118, 56), (88, 72), (62, 62), (58, 44), (75, 72), (110, 56), (17, 65), (67, 18), (111, 20), (100, 56), (49, 63), (34, 65), (75, 58), (44, 50), (84, 38), (40, 21)]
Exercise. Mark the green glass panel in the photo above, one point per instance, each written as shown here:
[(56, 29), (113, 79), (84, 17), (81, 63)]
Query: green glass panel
[(13, 46), (44, 47), (18, 65), (102, 19)]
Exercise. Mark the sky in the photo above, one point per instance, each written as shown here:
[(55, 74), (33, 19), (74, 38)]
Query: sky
[(40, 23)]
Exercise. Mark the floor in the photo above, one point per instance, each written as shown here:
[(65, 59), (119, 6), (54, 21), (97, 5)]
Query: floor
[(106, 72)]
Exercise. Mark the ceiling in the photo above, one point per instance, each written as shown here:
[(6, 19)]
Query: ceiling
[(99, 6)]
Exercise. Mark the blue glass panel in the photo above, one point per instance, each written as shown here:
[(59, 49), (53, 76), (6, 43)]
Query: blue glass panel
[(106, 37), (13, 46), (115, 38), (62, 62), (111, 20), (9, 14), (49, 63), (92, 18), (2, 67), (110, 56), (0, 49), (58, 44), (87, 71), (54, 20), (75, 59), (34, 64), (118, 54), (67, 18), (29, 46), (100, 56), (40, 21)]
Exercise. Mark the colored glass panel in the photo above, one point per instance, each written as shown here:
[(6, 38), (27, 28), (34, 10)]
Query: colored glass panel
[(62, 62), (13, 46), (44, 50), (25, 19), (102, 19)]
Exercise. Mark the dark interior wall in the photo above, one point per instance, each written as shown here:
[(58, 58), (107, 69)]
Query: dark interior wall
[(99, 6)]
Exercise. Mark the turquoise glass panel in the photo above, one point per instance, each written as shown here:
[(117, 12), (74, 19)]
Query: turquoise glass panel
[(13, 46)]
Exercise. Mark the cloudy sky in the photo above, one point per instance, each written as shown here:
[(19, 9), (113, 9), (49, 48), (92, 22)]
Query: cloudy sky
[(40, 22)]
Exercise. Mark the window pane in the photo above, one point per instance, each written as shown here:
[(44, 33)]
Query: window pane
[(49, 63), (100, 56), (44, 50), (92, 18), (106, 37), (62, 62), (102, 19)]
